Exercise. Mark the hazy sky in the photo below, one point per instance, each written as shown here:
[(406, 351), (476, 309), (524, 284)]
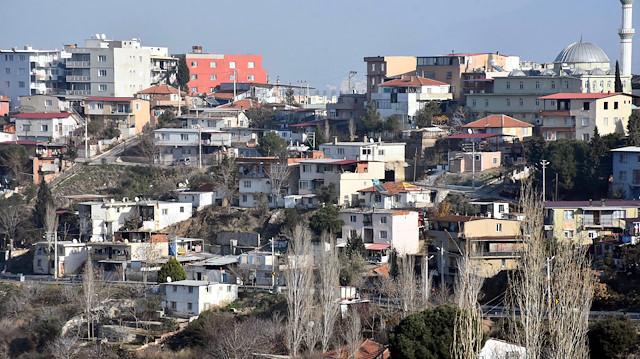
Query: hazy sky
[(321, 41)]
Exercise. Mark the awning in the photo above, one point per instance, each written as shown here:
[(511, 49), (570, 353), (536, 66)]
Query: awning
[(376, 246)]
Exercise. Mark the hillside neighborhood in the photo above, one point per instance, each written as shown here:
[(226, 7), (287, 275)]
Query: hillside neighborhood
[(465, 205)]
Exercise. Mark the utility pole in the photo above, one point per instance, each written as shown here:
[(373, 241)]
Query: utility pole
[(234, 85), (86, 143), (199, 147), (55, 252), (351, 73), (415, 164), (556, 197), (273, 265), (544, 164), (441, 264), (473, 164)]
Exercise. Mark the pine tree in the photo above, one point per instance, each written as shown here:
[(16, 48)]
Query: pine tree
[(171, 269), (618, 81), (633, 128), (43, 201)]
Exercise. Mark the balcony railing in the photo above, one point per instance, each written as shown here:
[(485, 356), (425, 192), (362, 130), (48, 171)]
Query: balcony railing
[(600, 222), (71, 64), (78, 78), (79, 92)]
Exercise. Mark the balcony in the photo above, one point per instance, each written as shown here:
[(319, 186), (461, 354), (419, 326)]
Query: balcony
[(121, 112), (78, 64), (78, 78), (79, 92), (601, 222)]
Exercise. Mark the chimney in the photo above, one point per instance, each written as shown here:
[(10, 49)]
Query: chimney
[(603, 202), (379, 139), (196, 49), (590, 202), (335, 140), (365, 139)]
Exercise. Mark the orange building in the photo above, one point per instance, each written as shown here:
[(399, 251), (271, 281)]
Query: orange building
[(4, 105)]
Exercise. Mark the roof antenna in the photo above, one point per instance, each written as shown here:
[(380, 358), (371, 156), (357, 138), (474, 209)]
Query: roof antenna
[(580, 37)]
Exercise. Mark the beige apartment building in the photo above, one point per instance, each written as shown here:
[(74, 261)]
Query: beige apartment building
[(128, 114), (576, 115)]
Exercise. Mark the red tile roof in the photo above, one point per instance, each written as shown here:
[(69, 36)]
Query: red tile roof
[(48, 115), (594, 203), (222, 95), (500, 121), (586, 96), (376, 246), (367, 349), (412, 81), (161, 90), (4, 99), (114, 99), (244, 104), (473, 135), (393, 188)]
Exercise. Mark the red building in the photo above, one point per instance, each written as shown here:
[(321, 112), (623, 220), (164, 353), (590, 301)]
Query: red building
[(209, 70), (4, 105)]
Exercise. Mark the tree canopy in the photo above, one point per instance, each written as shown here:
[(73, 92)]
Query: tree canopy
[(633, 128), (425, 335), (612, 337), (15, 158), (618, 82), (272, 145), (172, 269), (44, 200), (183, 75), (260, 116), (326, 219), (328, 194), (371, 121), (424, 117)]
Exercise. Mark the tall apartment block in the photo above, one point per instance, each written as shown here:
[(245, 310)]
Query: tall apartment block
[(30, 72), (109, 67), (209, 70)]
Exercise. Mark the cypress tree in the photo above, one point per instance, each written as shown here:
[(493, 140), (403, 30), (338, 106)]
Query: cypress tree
[(44, 200), (618, 81)]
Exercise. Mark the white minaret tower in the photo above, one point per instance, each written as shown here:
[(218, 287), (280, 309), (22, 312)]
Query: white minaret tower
[(626, 34)]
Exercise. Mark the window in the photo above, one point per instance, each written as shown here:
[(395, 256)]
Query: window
[(377, 198), (495, 160), (194, 90), (213, 64), (352, 219), (340, 151), (232, 65), (486, 103), (585, 106), (553, 84), (567, 121), (44, 128), (622, 175), (568, 234), (175, 288), (190, 291), (213, 77), (521, 102), (165, 211), (508, 85), (499, 227), (473, 102), (373, 67), (251, 65), (22, 71), (501, 208), (102, 88), (608, 84), (251, 77), (244, 198), (102, 73), (189, 305), (504, 263), (383, 234), (615, 105), (48, 103), (194, 64), (449, 75), (102, 58), (382, 67), (585, 137), (567, 215), (184, 137), (194, 76), (623, 158), (585, 122), (7, 83), (383, 219), (380, 152), (605, 121), (26, 127), (537, 84), (521, 85), (20, 83), (246, 184), (508, 102), (232, 77), (7, 71), (181, 209), (551, 121), (636, 176)]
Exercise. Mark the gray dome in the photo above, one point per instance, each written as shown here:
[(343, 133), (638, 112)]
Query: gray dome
[(582, 52), (612, 71), (597, 71), (578, 72), (548, 72), (516, 72)]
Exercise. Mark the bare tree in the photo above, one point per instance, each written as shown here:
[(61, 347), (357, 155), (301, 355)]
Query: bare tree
[(226, 176), (89, 289), (279, 174), (408, 291), (352, 333), (528, 285), (51, 224), (149, 148), (328, 291), (11, 217), (299, 277), (571, 293), (468, 335), (64, 347), (84, 224), (352, 130)]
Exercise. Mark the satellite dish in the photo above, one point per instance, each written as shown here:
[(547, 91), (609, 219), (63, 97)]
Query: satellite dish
[(97, 36), (169, 279), (371, 140), (103, 36), (470, 131), (137, 199), (113, 200), (74, 241), (186, 181)]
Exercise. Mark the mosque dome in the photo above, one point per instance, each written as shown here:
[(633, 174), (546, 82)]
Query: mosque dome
[(577, 72), (548, 72), (582, 52), (516, 73), (597, 71)]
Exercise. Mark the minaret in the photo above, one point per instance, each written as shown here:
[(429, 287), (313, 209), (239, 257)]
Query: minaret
[(626, 34)]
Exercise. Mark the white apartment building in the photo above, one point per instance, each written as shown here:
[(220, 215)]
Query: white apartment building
[(216, 119), (31, 72), (407, 95), (108, 67), (398, 229), (349, 176), (255, 180), (158, 215), (71, 257), (261, 265), (392, 154), (395, 195), (182, 145), (55, 127), (191, 297)]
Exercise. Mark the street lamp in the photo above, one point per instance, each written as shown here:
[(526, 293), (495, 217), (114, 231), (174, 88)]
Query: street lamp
[(544, 164)]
